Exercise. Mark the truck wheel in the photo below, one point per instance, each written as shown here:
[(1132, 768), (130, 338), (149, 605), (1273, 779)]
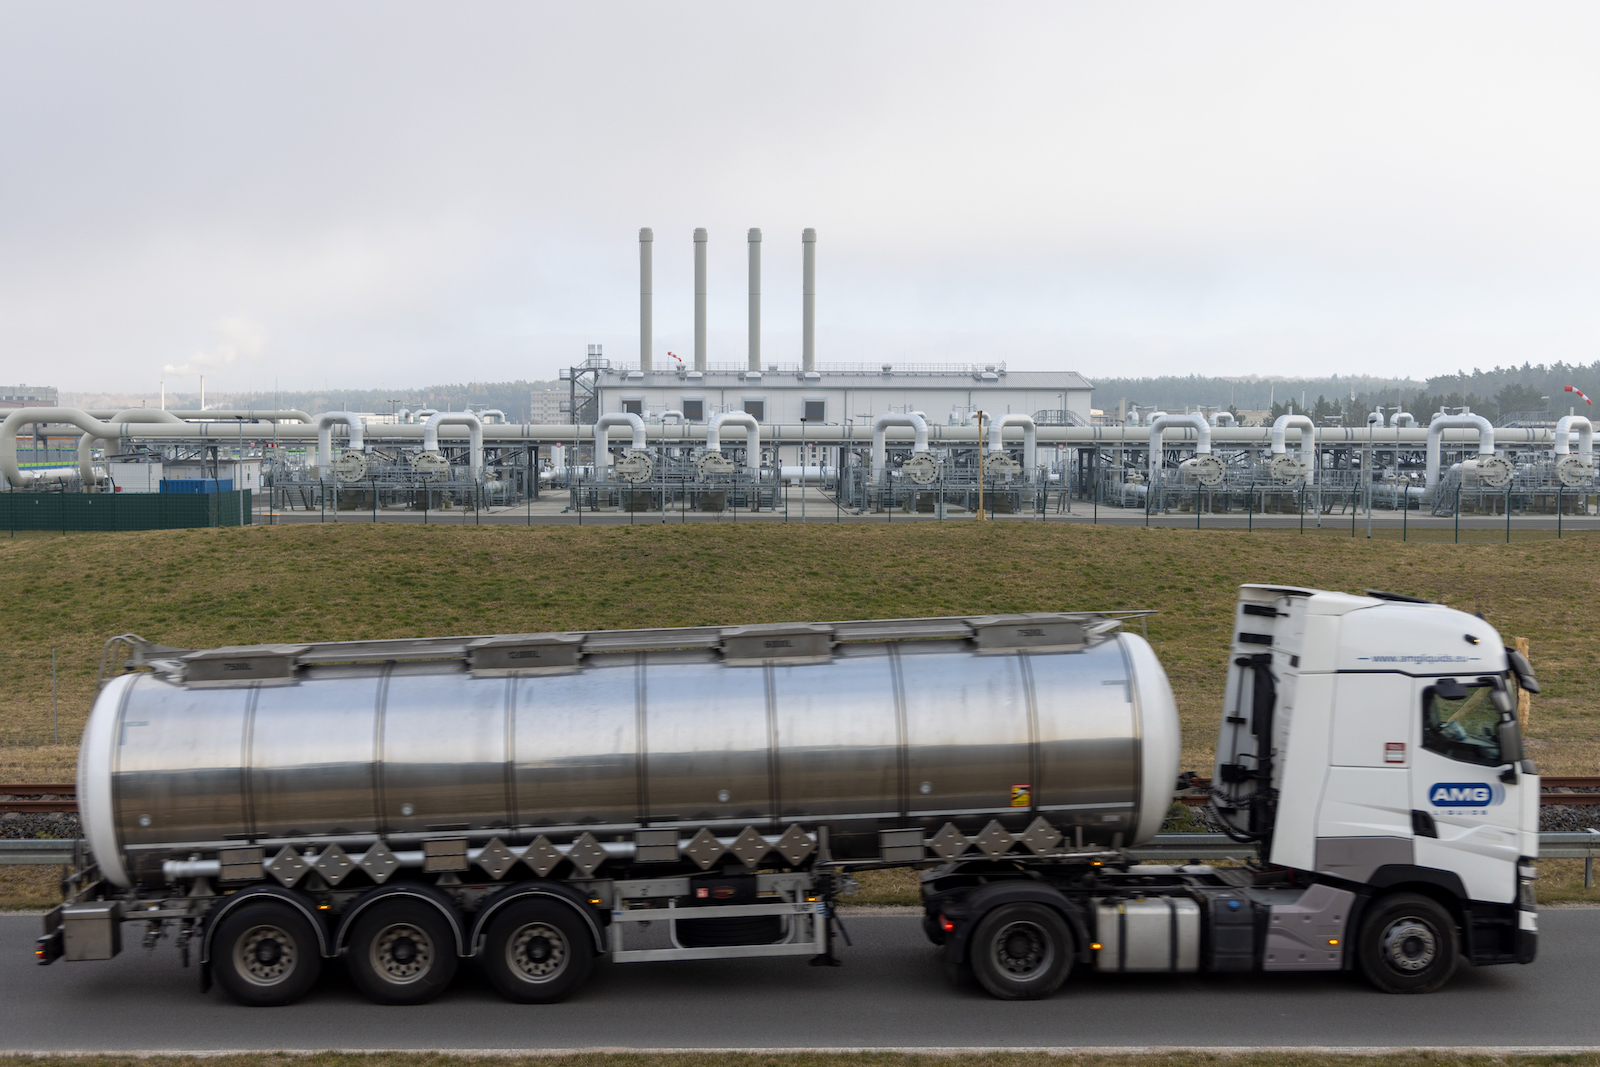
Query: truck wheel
[(265, 955), (537, 952), (1408, 944), (1021, 951), (402, 952)]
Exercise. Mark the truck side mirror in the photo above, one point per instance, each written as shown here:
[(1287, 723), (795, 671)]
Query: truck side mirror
[(1523, 670), (1510, 750), (1502, 702), (1449, 689)]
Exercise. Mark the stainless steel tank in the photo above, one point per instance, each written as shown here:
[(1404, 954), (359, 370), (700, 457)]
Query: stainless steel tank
[(858, 727)]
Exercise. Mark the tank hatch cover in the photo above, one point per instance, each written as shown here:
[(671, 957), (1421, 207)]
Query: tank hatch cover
[(287, 867), (995, 840), (378, 862), (333, 864), (586, 854), (795, 845), (524, 654), (495, 859), (1044, 631), (541, 857), (704, 848), (749, 846), (806, 642), (242, 665)]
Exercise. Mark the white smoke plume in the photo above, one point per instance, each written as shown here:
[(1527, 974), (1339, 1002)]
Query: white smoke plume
[(237, 338)]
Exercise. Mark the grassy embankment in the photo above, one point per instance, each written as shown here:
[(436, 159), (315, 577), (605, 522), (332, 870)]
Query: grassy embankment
[(201, 588)]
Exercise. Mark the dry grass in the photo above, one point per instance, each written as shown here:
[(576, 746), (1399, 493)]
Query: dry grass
[(28, 888), (201, 588)]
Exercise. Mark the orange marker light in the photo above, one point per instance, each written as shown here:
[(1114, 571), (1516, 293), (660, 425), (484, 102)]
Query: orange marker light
[(1096, 946), (323, 907), (1333, 940)]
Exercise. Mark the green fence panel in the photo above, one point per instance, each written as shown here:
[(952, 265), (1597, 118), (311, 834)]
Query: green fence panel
[(109, 512)]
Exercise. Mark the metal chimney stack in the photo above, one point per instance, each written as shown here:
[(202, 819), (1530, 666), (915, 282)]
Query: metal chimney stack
[(700, 299), (755, 299), (808, 336), (646, 292)]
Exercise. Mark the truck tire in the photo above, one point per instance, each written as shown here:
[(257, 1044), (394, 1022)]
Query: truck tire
[(1021, 951), (537, 952), (265, 955), (402, 951), (1408, 944)]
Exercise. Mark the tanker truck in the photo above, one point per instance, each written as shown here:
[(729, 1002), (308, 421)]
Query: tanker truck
[(538, 802)]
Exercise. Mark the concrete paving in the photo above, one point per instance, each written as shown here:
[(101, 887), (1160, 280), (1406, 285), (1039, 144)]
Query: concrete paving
[(891, 992)]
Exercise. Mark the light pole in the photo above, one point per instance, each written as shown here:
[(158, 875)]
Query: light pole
[(980, 467)]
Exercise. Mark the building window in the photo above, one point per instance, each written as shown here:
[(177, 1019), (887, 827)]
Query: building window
[(758, 408), (694, 410), (814, 410), (633, 407)]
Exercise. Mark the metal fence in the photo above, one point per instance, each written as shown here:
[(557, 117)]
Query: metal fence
[(111, 512)]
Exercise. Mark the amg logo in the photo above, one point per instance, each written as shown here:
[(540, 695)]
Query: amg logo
[(1464, 794), (778, 644), (1034, 632)]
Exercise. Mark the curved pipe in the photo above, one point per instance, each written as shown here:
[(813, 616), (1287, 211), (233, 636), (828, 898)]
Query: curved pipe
[(491, 416), (86, 442), (752, 437), (1161, 422), (474, 425), (671, 413), (325, 425), (1223, 418), (1564, 427), (34, 416), (1308, 436), (1441, 423), (880, 452), (1375, 418), (1402, 418), (1030, 437)]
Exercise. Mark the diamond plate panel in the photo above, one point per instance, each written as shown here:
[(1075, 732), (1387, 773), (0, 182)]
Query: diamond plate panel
[(1041, 837), (749, 846), (995, 840), (795, 845), (586, 854), (495, 858), (378, 862), (287, 867), (704, 848), (949, 842), (334, 864), (541, 857)]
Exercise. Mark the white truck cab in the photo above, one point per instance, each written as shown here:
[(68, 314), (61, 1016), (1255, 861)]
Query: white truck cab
[(1370, 745)]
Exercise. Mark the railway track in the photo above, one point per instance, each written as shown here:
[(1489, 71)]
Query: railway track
[(1556, 789)]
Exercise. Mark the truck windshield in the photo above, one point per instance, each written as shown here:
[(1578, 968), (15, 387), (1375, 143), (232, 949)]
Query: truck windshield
[(1467, 729)]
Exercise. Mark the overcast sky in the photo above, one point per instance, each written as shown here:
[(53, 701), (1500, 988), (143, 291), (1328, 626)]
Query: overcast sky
[(396, 194)]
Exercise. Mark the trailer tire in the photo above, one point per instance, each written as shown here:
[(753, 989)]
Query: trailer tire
[(401, 952), (1021, 951), (537, 952), (1408, 944), (266, 955)]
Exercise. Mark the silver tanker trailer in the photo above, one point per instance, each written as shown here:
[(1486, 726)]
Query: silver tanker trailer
[(536, 801)]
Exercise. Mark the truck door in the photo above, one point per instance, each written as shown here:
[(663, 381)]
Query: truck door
[(1467, 797)]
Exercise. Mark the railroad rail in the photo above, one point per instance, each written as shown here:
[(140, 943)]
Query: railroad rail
[(1555, 789)]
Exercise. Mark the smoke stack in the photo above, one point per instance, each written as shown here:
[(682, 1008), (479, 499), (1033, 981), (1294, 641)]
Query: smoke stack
[(755, 299), (808, 341), (700, 299), (646, 291)]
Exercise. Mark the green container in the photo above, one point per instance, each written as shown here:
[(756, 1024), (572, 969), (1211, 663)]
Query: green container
[(111, 512)]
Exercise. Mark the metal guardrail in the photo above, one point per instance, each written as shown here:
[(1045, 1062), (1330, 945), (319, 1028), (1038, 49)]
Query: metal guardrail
[(1564, 845)]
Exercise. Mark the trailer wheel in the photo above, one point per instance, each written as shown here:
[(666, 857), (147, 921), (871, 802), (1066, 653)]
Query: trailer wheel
[(537, 952), (1408, 944), (265, 955), (402, 952), (1021, 951)]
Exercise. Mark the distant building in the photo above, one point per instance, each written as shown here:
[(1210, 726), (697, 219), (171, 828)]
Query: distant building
[(28, 396), (547, 407)]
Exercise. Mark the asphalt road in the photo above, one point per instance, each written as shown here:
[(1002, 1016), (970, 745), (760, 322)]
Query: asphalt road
[(890, 993)]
